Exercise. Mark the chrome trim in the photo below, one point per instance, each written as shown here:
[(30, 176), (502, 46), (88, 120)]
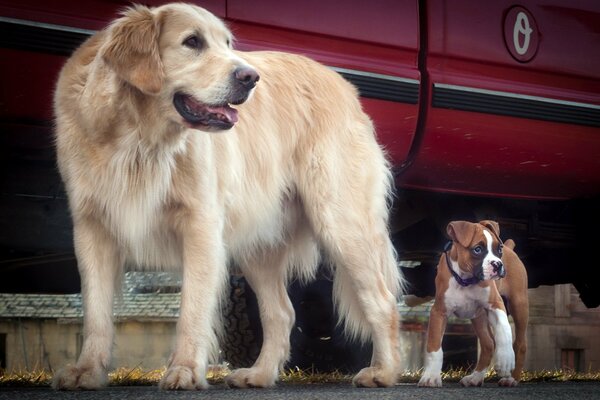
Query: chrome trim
[(47, 26), (516, 96), (374, 75)]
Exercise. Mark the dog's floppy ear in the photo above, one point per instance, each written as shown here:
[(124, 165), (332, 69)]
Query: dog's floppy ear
[(461, 232), (492, 226), (132, 49)]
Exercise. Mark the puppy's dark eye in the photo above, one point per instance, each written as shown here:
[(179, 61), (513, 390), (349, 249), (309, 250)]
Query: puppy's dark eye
[(193, 42), (500, 250), (477, 250)]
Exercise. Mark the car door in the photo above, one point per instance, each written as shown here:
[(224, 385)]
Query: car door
[(515, 99)]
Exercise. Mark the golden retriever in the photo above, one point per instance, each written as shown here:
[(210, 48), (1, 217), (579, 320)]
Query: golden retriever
[(163, 172)]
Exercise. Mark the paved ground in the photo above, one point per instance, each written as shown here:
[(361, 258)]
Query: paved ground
[(450, 391)]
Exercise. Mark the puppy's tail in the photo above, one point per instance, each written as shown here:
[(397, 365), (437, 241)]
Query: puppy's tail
[(510, 244)]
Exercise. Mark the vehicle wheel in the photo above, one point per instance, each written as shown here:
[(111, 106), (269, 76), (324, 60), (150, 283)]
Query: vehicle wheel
[(317, 342), (242, 337)]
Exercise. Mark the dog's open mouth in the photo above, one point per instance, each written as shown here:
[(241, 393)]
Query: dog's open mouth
[(200, 115)]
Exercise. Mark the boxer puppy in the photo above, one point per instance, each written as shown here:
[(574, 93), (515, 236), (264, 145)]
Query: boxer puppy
[(474, 274)]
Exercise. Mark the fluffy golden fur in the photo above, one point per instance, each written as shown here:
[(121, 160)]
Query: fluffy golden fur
[(162, 173)]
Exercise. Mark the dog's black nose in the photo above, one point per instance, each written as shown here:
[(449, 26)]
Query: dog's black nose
[(246, 76), (498, 267)]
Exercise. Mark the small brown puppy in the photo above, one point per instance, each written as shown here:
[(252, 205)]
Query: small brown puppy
[(473, 276)]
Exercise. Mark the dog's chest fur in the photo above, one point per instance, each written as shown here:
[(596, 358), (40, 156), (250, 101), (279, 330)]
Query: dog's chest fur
[(140, 183), (464, 302), (134, 211)]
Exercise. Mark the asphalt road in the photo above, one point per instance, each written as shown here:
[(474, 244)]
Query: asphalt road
[(450, 391)]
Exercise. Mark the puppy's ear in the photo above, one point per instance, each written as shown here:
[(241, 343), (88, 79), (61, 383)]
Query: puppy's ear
[(461, 232), (492, 226), (132, 49)]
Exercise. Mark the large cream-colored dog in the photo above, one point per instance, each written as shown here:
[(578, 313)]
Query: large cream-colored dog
[(163, 172)]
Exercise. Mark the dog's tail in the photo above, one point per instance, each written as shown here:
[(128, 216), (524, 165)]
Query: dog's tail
[(350, 310), (510, 244)]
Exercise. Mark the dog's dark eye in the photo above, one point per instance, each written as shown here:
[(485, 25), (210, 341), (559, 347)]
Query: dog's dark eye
[(500, 250), (477, 250), (193, 42)]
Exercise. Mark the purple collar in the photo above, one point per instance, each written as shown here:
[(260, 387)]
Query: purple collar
[(461, 281)]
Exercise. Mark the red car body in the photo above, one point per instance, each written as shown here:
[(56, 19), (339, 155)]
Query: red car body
[(480, 105)]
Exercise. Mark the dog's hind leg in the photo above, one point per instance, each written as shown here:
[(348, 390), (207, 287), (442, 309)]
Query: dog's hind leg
[(99, 264), (520, 314), (266, 274), (366, 299), (350, 225)]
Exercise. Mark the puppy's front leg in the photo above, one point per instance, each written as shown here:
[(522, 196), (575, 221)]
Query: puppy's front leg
[(204, 271), (98, 261), (504, 354), (432, 375), (486, 344)]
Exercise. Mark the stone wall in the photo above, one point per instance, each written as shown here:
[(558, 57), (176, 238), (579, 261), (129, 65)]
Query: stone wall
[(50, 344)]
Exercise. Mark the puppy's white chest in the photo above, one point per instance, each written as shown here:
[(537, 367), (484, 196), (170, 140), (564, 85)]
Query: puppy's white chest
[(464, 302)]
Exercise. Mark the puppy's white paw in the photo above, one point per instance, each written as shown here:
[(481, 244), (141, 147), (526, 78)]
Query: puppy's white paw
[(430, 380), (474, 379), (505, 362), (74, 378), (508, 382), (250, 377), (179, 377), (373, 377)]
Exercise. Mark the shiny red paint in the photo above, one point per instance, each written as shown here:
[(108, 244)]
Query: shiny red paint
[(475, 153), (447, 150)]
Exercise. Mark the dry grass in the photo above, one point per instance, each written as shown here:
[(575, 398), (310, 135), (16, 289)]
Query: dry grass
[(216, 374)]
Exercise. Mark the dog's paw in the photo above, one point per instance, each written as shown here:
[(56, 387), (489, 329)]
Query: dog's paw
[(505, 362), (74, 378), (474, 379), (180, 377), (430, 380), (250, 378), (508, 382), (372, 377)]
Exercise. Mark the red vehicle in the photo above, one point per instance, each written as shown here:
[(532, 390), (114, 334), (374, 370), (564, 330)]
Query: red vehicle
[(487, 110)]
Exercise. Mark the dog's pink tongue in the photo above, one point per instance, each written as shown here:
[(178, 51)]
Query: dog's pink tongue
[(205, 112), (229, 113)]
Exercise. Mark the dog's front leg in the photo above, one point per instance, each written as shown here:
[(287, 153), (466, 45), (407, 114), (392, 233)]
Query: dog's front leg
[(98, 261), (432, 375), (204, 271), (486, 345), (504, 354)]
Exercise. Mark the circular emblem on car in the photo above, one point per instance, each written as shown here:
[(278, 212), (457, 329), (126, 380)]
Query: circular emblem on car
[(521, 34)]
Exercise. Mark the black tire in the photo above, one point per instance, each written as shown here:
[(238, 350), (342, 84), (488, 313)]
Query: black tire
[(317, 342), (242, 336)]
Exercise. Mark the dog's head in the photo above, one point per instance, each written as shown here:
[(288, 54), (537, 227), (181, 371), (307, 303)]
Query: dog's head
[(478, 248), (181, 55)]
